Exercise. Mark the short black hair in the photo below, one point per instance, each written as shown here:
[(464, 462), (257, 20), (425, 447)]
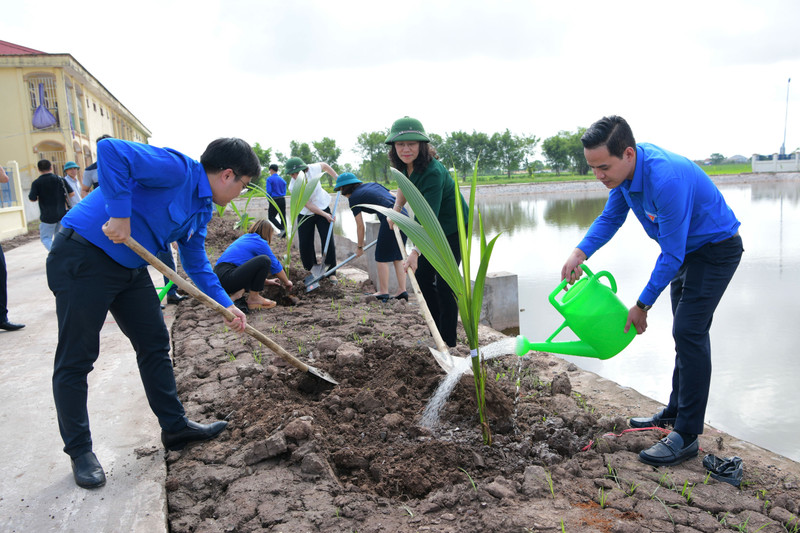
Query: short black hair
[(232, 153), (348, 189), (104, 136), (44, 164), (274, 167), (612, 132)]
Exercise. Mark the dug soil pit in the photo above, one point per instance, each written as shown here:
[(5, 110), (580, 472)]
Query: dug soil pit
[(355, 458)]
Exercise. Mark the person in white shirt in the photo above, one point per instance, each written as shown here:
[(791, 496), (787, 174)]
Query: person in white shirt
[(71, 175), (315, 214)]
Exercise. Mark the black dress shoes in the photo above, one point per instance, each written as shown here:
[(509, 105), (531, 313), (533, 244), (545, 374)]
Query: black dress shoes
[(87, 471), (175, 298), (10, 326), (402, 296), (657, 420), (670, 451), (193, 432)]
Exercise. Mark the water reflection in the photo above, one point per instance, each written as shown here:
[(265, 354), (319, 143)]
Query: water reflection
[(573, 212)]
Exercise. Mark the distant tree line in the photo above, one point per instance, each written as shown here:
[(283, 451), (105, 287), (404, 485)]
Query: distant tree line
[(499, 153)]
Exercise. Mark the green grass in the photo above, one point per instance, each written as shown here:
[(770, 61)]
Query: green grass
[(733, 168), (503, 180)]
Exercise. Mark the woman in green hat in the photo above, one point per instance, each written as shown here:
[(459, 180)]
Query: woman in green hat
[(386, 251), (411, 154)]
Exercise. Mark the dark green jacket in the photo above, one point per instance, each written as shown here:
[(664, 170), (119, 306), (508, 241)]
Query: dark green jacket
[(439, 189)]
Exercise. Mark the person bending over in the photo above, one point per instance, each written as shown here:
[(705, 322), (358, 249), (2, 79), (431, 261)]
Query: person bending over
[(245, 265), (386, 250), (156, 196)]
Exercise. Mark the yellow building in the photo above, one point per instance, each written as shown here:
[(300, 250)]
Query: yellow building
[(50, 108)]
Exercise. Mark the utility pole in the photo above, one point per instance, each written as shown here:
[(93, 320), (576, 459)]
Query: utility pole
[(785, 118)]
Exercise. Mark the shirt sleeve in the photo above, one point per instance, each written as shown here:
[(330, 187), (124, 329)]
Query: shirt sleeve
[(606, 225), (155, 168), (673, 203), (33, 196), (430, 187), (87, 181), (195, 262), (259, 246), (275, 265)]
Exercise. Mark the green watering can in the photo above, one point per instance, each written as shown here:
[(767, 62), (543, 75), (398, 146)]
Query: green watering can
[(594, 313)]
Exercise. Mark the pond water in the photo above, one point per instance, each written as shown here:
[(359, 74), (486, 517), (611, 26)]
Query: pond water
[(754, 388)]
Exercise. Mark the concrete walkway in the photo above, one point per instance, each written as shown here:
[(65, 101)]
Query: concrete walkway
[(37, 491)]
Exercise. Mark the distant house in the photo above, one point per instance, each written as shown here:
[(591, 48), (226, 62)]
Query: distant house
[(737, 159), (52, 108)]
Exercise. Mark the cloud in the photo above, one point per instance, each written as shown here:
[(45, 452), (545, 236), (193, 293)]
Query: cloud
[(311, 37)]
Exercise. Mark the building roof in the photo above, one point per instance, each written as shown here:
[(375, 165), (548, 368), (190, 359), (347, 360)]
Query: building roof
[(11, 49)]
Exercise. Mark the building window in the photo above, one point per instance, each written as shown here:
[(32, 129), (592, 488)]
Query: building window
[(81, 114), (44, 102)]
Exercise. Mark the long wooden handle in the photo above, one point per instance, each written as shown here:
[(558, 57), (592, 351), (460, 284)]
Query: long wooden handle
[(212, 304), (426, 312)]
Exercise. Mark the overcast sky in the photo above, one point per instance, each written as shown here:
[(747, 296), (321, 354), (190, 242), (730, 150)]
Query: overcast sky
[(694, 77)]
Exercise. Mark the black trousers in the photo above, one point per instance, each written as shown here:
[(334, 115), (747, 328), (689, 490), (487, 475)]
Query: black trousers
[(272, 213), (87, 284), (305, 236), (249, 276), (438, 295), (695, 292)]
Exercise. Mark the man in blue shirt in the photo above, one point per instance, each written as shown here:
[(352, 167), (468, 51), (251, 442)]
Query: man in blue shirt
[(276, 189), (157, 196), (680, 208)]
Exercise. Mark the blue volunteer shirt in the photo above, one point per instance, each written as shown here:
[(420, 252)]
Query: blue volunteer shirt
[(166, 195), (276, 186), (677, 204), (247, 247)]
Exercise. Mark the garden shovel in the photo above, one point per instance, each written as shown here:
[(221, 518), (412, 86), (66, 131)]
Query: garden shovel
[(312, 283), (320, 378), (318, 270), (442, 354)]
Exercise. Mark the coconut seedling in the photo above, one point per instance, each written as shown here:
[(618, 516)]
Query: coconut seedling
[(428, 236)]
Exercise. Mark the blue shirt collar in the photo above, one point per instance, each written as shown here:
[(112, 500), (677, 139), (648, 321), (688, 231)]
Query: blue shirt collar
[(203, 185), (637, 183)]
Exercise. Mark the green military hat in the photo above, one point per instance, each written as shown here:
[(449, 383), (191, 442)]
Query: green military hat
[(407, 129), (295, 164)]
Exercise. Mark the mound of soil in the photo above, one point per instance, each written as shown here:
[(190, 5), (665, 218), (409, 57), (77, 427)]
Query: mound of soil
[(355, 458)]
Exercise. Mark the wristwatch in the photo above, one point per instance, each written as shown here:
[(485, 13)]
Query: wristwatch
[(642, 306)]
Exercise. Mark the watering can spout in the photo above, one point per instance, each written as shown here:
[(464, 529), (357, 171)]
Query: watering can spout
[(579, 348)]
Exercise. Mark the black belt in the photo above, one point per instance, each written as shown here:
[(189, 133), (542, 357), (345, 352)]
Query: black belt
[(731, 237), (70, 233)]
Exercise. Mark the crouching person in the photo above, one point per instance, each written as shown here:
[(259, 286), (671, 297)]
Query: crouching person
[(245, 265)]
